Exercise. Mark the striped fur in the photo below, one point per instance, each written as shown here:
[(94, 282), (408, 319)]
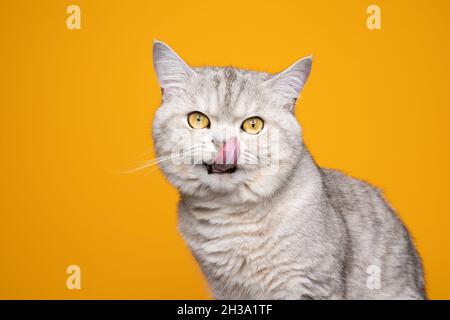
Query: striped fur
[(287, 231)]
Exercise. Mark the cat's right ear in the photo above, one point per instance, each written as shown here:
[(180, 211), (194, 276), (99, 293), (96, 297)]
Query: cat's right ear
[(289, 83), (170, 69)]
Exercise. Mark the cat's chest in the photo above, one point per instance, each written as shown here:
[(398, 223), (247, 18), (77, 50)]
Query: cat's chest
[(243, 250)]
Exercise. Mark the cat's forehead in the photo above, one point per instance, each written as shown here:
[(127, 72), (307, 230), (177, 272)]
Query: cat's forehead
[(230, 74), (228, 90)]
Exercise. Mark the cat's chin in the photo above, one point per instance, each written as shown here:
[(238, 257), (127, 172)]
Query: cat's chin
[(196, 181), (220, 179)]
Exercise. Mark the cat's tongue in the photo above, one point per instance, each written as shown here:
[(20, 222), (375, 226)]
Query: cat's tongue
[(226, 158)]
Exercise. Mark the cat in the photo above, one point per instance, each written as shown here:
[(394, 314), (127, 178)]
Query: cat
[(261, 218)]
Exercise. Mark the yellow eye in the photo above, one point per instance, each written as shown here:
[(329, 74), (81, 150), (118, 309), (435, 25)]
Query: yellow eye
[(198, 120), (253, 125)]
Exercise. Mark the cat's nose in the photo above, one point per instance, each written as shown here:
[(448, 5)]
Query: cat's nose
[(218, 142)]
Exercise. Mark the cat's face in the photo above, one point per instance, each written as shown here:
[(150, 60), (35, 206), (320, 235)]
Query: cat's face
[(225, 130)]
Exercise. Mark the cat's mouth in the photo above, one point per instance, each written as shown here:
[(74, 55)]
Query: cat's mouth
[(220, 168), (226, 158)]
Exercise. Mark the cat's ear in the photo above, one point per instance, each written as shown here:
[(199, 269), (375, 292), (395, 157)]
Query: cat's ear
[(170, 69), (289, 83)]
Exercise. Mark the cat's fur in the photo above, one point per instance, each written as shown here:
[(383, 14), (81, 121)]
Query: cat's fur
[(290, 231)]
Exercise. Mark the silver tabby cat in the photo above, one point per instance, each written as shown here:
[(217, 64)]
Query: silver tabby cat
[(262, 219)]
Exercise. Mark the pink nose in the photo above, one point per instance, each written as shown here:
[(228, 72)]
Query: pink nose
[(229, 153)]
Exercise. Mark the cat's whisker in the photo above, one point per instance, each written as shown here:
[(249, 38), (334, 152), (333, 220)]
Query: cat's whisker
[(177, 153), (252, 158), (177, 156), (182, 157), (258, 158)]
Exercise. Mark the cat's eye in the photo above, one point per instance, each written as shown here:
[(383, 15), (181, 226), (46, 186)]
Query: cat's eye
[(198, 120), (253, 125)]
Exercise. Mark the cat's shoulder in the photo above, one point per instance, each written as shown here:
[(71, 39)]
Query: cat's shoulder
[(337, 181)]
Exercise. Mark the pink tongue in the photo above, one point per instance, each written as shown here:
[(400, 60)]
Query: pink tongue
[(229, 153)]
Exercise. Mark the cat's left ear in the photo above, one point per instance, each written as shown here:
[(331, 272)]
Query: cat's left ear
[(171, 70), (289, 83)]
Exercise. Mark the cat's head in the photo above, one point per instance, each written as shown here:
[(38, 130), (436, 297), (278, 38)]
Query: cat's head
[(226, 130)]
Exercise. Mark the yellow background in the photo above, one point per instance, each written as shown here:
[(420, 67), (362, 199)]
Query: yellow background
[(76, 109)]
